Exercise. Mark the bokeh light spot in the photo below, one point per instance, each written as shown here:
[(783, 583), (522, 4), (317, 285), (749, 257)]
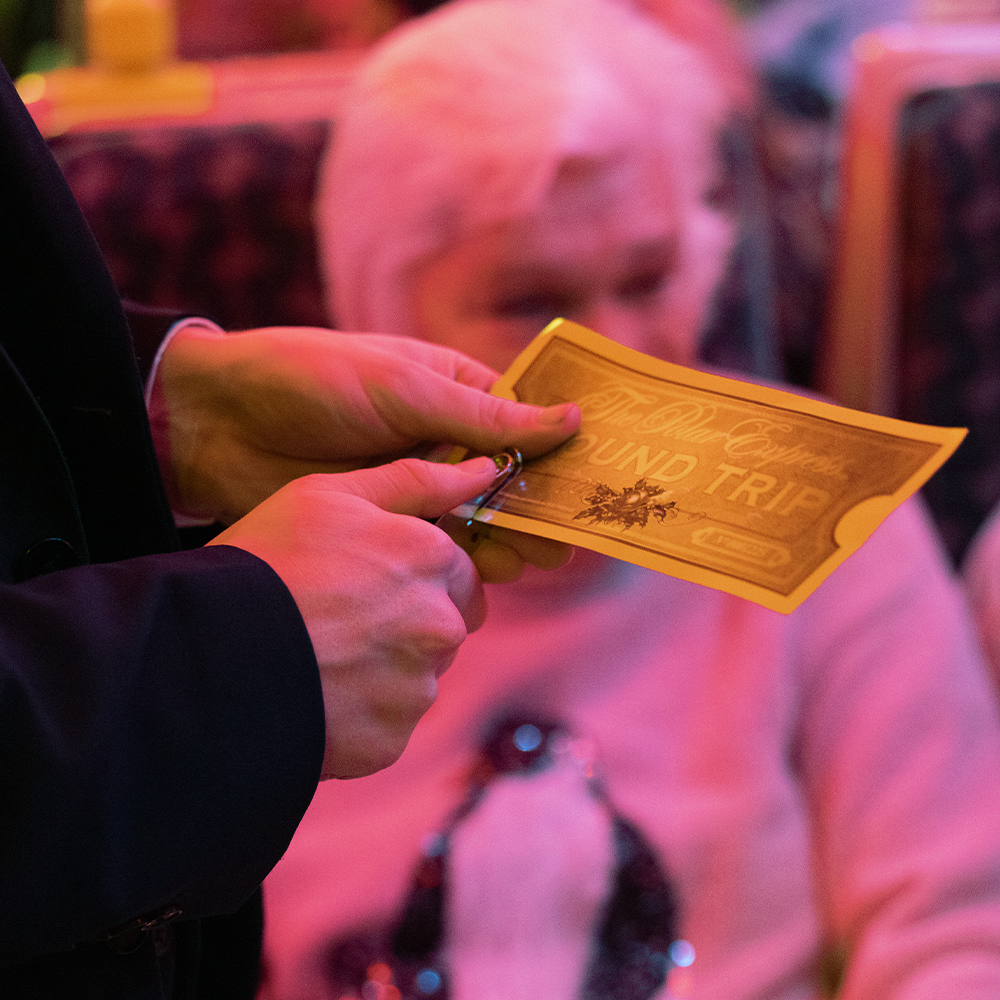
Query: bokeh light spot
[(682, 953), (527, 737), (428, 981)]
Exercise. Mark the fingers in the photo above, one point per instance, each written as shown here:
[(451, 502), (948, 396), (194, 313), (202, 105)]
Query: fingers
[(453, 406), (447, 410), (543, 553), (422, 392), (429, 490), (500, 554), (426, 490), (532, 429), (411, 486), (443, 565), (445, 361), (464, 585)]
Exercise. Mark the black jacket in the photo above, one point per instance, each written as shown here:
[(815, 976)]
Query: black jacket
[(161, 721)]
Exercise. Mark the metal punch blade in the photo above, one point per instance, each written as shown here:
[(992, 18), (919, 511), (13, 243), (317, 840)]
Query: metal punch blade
[(509, 464)]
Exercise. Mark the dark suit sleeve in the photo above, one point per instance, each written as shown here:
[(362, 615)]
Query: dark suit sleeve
[(161, 716), (161, 735)]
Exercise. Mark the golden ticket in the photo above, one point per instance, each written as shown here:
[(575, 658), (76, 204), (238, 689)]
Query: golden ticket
[(741, 487)]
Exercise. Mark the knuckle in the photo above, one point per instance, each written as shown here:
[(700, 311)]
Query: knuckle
[(396, 718), (442, 637), (431, 550), (498, 415), (440, 633), (410, 472), (442, 552)]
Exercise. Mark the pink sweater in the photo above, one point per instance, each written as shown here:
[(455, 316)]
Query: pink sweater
[(826, 782), (982, 579)]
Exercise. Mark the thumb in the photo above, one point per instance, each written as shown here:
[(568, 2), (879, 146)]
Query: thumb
[(422, 489), (487, 424)]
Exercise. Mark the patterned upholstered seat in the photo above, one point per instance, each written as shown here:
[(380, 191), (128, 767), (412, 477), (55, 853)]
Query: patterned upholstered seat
[(213, 218), (949, 346), (913, 327)]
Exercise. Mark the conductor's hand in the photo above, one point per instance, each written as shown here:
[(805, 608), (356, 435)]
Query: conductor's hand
[(237, 416), (387, 598)]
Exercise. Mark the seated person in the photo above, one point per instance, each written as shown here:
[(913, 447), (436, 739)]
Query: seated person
[(819, 792)]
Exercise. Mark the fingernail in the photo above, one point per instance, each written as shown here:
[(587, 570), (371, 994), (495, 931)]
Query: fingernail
[(478, 466), (553, 416)]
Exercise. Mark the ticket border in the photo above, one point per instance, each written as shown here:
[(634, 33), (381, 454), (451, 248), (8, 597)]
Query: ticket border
[(864, 517)]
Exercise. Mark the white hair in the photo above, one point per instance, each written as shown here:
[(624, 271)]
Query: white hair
[(464, 117)]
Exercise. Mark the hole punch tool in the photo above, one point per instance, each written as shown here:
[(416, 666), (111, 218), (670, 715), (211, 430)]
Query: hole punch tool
[(509, 464)]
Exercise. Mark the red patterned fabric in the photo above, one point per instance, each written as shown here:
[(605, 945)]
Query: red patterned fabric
[(215, 220), (950, 332)]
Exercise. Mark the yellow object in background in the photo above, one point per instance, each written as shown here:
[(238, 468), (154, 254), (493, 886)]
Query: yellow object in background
[(131, 70), (130, 36)]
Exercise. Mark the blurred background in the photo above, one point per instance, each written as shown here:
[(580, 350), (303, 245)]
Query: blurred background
[(38, 35)]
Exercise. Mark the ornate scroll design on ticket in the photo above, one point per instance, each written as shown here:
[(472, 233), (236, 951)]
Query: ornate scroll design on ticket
[(744, 488)]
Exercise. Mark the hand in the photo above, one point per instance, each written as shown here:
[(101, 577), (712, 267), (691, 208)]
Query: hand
[(500, 553), (237, 416), (387, 598)]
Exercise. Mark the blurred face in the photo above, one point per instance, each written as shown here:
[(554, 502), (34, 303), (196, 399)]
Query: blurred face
[(614, 248)]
